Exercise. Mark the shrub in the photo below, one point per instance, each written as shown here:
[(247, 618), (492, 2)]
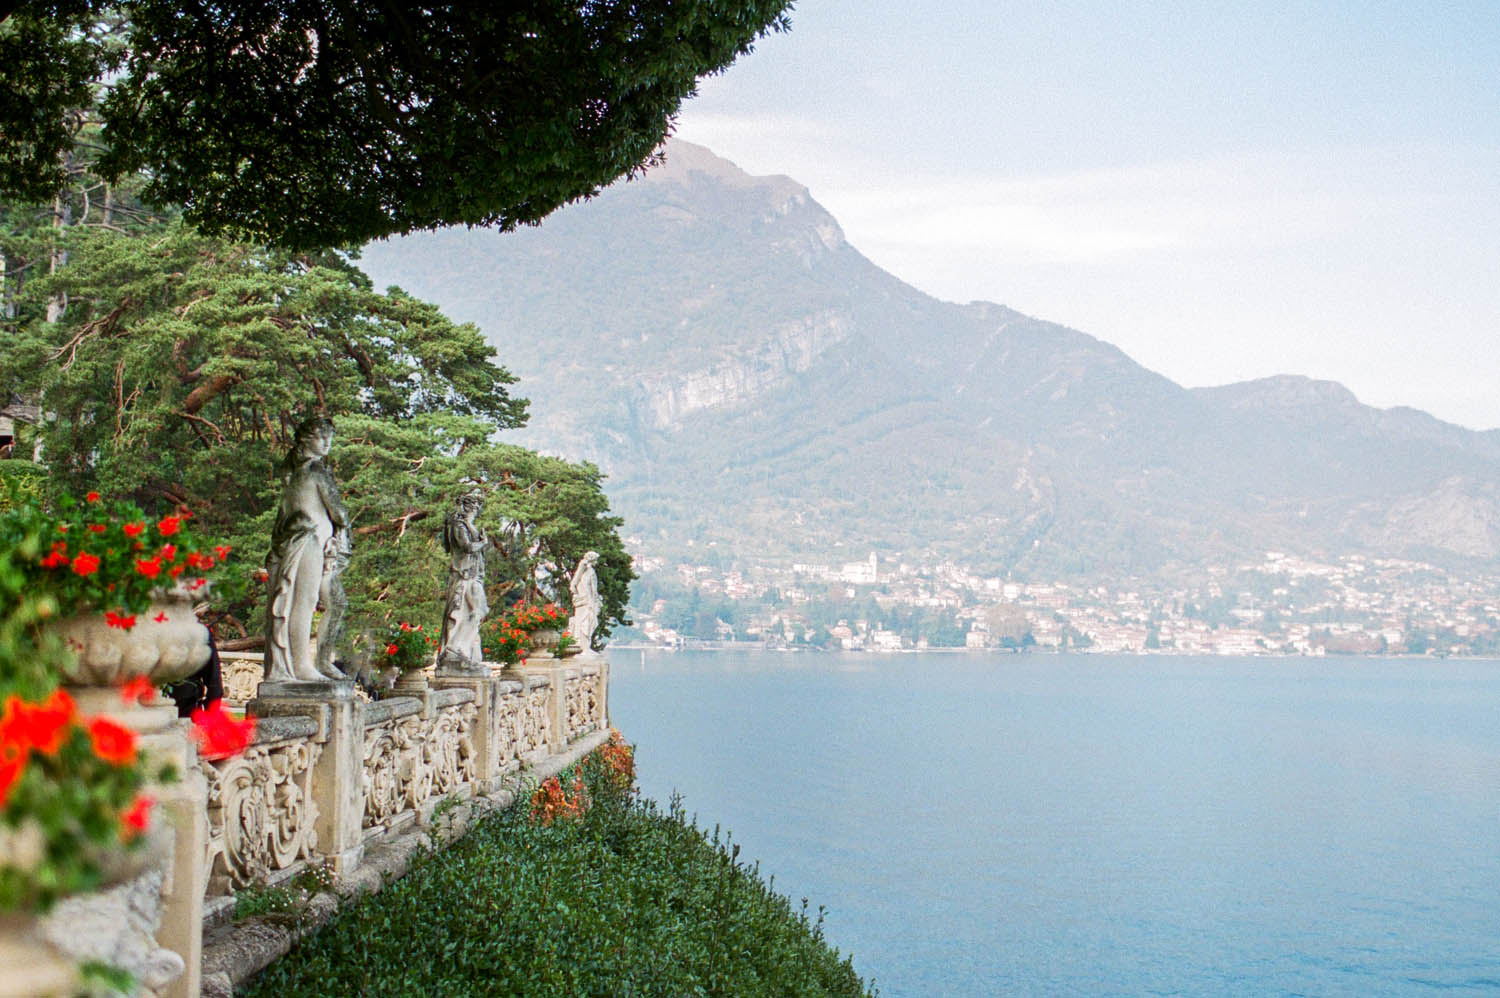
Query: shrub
[(621, 900)]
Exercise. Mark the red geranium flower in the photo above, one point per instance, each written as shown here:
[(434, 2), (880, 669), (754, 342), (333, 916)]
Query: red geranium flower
[(220, 735), (124, 621), (91, 497), (39, 726), (169, 525), (391, 649), (149, 567), (139, 689), (138, 816), (114, 743), (169, 552), (12, 765), (97, 528), (85, 563), (222, 550), (133, 529)]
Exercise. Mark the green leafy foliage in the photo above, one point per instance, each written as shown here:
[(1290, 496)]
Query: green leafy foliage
[(50, 55), (343, 121), (183, 363), (622, 900)]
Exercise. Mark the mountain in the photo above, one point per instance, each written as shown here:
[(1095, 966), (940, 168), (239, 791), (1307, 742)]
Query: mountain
[(750, 381)]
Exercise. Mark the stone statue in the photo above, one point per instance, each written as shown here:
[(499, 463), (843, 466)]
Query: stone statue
[(466, 606), (310, 547), (586, 601)]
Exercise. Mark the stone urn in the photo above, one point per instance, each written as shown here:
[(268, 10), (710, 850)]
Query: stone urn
[(411, 682), (543, 640), (166, 644)]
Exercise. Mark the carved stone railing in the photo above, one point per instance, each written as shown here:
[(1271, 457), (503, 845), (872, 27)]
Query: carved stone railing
[(261, 812), (415, 751)]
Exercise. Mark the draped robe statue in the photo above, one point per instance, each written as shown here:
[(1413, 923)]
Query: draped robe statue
[(587, 602), (310, 546), (466, 605)]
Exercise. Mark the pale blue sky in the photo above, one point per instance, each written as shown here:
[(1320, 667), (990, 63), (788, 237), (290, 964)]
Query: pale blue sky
[(1223, 191)]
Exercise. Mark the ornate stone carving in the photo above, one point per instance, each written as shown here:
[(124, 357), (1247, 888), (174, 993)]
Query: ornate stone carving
[(584, 588), (536, 726), (310, 546), (576, 718), (465, 606), (510, 728), (261, 811), (593, 700), (241, 678), (392, 767), (411, 759), (450, 748)]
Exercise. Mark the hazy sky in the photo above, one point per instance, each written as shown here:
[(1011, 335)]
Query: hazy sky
[(1225, 191)]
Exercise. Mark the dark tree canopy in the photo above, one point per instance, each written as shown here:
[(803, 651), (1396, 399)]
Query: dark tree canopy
[(317, 123)]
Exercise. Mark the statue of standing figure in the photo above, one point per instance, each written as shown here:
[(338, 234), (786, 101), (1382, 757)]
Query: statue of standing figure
[(584, 588), (310, 545), (466, 605)]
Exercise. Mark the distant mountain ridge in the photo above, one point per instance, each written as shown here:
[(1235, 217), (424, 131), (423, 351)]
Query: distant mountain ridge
[(749, 379)]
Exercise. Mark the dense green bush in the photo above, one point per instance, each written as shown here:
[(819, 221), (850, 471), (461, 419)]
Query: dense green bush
[(624, 900)]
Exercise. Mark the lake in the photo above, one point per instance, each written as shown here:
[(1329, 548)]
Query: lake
[(1094, 825)]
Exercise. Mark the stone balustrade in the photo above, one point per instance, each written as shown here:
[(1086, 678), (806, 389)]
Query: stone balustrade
[(331, 775)]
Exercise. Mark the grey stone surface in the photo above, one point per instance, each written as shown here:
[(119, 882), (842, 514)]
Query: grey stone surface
[(275, 729)]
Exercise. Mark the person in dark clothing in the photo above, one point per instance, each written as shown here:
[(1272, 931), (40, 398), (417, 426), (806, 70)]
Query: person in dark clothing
[(202, 687)]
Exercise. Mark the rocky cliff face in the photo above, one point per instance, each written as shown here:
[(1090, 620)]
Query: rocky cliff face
[(749, 378)]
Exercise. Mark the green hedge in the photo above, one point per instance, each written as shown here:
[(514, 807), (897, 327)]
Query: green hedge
[(626, 900), (24, 479)]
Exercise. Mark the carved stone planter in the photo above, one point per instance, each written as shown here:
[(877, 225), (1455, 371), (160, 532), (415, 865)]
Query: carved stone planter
[(166, 644), (412, 682), (543, 640)]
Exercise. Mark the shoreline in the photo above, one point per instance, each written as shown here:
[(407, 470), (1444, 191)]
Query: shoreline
[(760, 646)]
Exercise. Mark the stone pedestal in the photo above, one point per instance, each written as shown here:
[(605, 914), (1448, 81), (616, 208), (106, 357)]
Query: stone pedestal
[(164, 740), (337, 787)]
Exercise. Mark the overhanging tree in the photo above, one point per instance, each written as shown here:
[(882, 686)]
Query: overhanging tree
[(319, 123), (183, 362)]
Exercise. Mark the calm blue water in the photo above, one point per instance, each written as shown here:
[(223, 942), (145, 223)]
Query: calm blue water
[(1092, 825)]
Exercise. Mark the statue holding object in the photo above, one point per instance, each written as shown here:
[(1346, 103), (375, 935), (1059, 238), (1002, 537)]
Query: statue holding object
[(465, 606), (310, 546)]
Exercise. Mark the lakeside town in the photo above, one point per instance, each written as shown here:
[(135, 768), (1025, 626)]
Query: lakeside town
[(1280, 605)]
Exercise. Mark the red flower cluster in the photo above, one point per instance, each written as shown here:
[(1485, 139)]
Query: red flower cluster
[(220, 735), (44, 728), (551, 801), (139, 815)]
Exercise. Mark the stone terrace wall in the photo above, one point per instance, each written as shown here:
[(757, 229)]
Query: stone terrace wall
[(333, 781)]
